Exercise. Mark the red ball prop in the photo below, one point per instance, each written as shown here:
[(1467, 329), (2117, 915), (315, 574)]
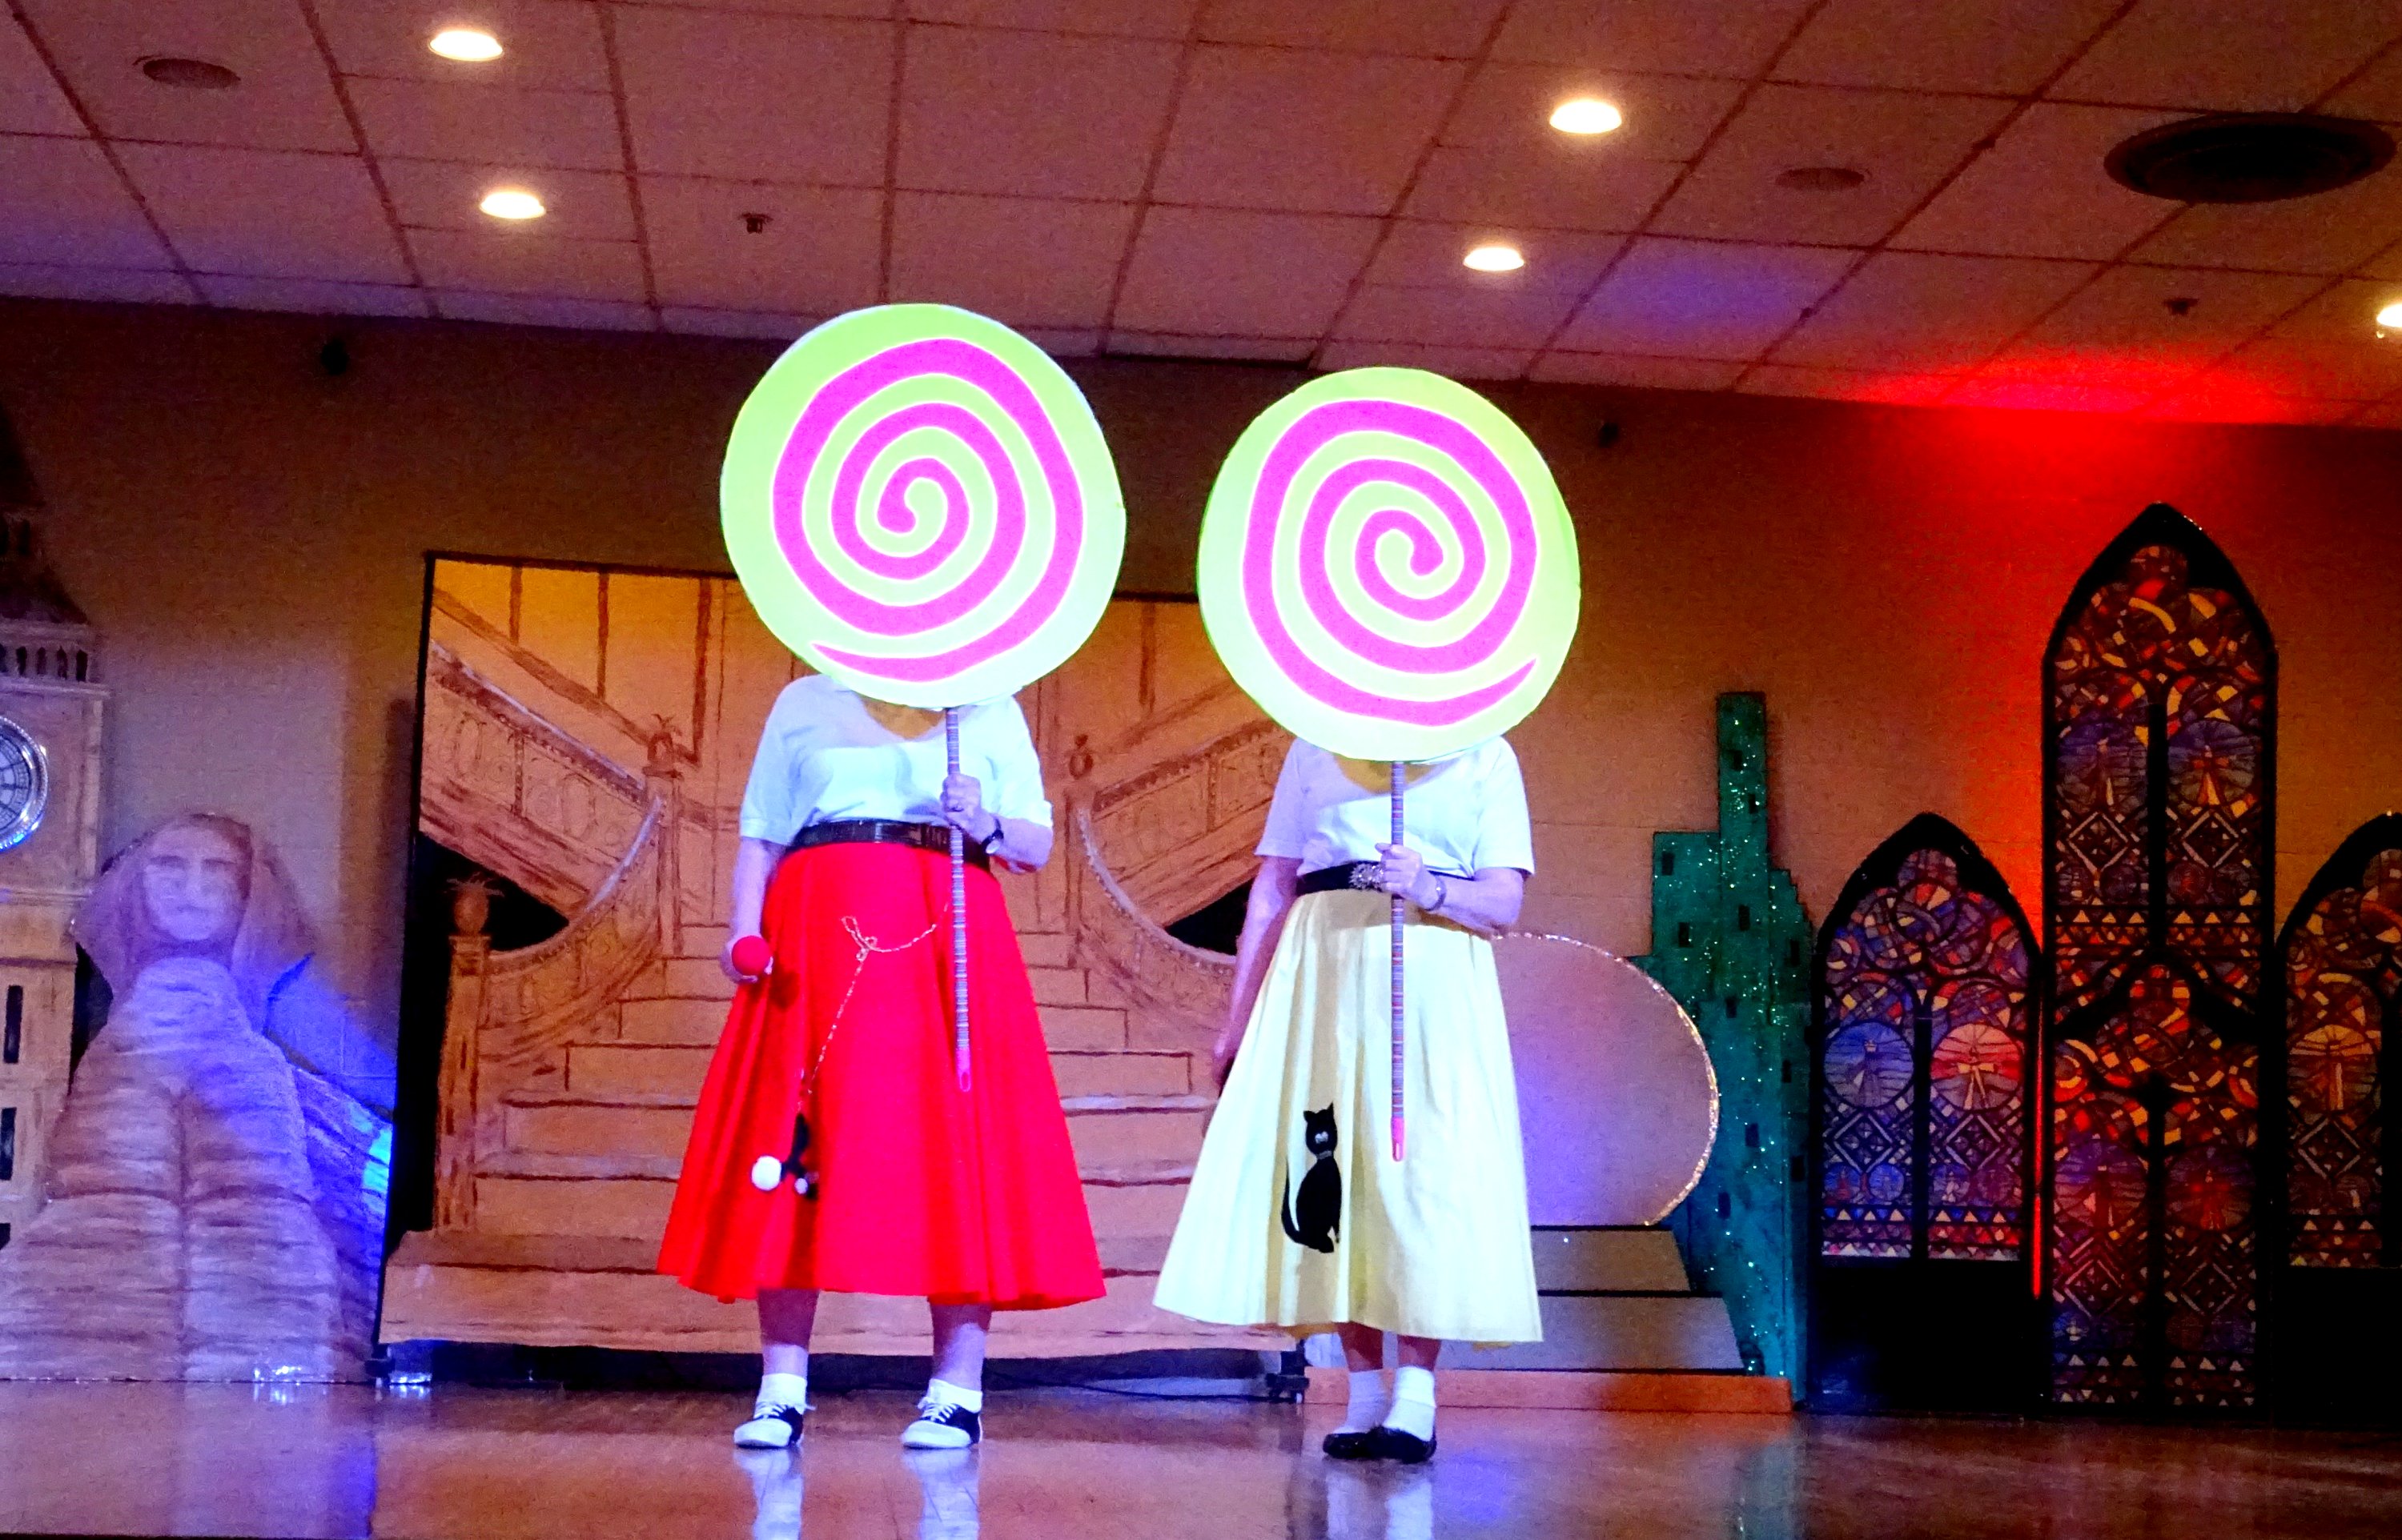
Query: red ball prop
[(751, 958)]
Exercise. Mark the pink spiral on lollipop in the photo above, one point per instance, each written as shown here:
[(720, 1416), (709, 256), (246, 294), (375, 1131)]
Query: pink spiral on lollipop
[(1008, 409), (1365, 634)]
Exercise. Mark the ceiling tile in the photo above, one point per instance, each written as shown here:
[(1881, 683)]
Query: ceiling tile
[(519, 262), (2363, 370), (1436, 29), (1894, 390), (1558, 186), (443, 195), (1905, 144), (1655, 374), (1007, 112), (2231, 55), (751, 323), (719, 94), (545, 43), (1907, 312), (1455, 363), (1202, 271), (856, 10), (1025, 261), (1455, 315), (30, 99), (2343, 313), (1509, 106), (2051, 387), (119, 285), (1286, 129), (312, 296), (2329, 233), (2127, 309), (582, 315), (817, 257), (1106, 18), (1691, 299), (2376, 95), (60, 202), (2001, 46), (1065, 341), (1178, 345), (1724, 38), (269, 213), (285, 100), (2041, 190), (446, 121), (1417, 253)]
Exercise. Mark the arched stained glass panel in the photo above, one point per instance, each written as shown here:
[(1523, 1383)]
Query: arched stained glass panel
[(2342, 952), (1923, 1011), (2160, 749)]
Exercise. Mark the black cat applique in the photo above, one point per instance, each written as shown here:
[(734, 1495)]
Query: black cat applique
[(1320, 1199)]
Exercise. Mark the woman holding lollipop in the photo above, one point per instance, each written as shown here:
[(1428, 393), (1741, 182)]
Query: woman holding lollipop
[(1300, 1216), (836, 1145)]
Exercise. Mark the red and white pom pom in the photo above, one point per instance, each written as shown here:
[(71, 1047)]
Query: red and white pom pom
[(753, 958)]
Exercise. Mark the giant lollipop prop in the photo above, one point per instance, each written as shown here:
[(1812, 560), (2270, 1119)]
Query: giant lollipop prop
[(919, 503), (1387, 569)]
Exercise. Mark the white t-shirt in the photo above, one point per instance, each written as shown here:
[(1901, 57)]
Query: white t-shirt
[(1464, 813), (823, 759)]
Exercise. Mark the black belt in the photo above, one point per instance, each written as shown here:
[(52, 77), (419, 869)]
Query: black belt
[(925, 836), (1344, 876)]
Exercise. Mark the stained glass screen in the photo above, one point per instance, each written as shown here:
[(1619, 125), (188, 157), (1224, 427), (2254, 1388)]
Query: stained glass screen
[(2342, 952)]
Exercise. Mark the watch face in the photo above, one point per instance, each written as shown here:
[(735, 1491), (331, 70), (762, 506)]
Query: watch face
[(24, 784)]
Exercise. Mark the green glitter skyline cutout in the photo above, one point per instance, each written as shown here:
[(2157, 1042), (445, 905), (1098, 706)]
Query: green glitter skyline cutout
[(1730, 942)]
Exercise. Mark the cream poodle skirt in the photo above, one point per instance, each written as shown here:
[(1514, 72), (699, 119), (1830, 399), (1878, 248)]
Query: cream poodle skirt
[(1433, 1245)]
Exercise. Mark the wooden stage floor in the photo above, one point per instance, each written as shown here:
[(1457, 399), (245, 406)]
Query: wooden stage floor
[(501, 1463)]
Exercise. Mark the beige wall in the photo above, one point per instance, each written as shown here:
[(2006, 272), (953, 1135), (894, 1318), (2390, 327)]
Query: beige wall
[(250, 536)]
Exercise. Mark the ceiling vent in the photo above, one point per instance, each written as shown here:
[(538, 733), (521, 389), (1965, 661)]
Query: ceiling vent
[(2248, 157)]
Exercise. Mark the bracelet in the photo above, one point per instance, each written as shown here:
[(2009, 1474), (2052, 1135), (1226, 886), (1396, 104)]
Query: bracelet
[(1442, 893), (994, 838)]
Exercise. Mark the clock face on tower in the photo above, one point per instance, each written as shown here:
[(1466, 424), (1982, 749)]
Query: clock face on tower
[(24, 784)]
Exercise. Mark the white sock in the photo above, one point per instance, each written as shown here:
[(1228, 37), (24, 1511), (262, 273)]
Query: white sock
[(1368, 1401), (948, 1393), (1413, 1407), (782, 1390)]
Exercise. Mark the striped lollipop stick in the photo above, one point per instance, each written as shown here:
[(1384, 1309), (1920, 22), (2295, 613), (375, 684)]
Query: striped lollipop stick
[(1397, 973), (959, 912)]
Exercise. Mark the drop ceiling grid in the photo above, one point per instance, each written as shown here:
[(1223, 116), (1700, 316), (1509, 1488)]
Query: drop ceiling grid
[(2085, 55)]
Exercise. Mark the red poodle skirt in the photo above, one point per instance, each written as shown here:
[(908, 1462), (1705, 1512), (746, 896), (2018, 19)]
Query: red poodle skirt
[(960, 1197)]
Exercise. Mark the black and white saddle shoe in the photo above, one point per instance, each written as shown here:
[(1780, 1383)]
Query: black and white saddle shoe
[(943, 1425), (1351, 1444), (771, 1427), (1405, 1448)]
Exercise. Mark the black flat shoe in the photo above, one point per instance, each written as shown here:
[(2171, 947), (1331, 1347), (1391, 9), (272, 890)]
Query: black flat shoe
[(1405, 1448), (1351, 1446)]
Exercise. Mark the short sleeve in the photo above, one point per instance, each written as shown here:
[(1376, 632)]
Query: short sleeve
[(1289, 811), (1505, 835), (1016, 790), (768, 810)]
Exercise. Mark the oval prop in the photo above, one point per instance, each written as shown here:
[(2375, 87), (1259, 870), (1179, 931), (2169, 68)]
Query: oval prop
[(1386, 566), (919, 503)]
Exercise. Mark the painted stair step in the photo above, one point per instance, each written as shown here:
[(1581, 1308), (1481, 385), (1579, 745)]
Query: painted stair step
[(1623, 1332), (548, 1096), (613, 1165), (1609, 1259), (1102, 1105)]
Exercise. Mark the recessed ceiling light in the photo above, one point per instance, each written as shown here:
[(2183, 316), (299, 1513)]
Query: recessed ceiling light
[(194, 75), (1586, 115), (2389, 319), (467, 45), (512, 203), (1493, 258), (1820, 179)]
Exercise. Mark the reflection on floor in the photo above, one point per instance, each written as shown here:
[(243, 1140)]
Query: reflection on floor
[(343, 1460)]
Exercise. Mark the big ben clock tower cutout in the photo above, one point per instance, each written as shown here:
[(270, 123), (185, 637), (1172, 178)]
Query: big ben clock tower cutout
[(51, 701)]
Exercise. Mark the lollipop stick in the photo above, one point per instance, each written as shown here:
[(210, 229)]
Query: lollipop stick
[(1397, 972), (959, 914)]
